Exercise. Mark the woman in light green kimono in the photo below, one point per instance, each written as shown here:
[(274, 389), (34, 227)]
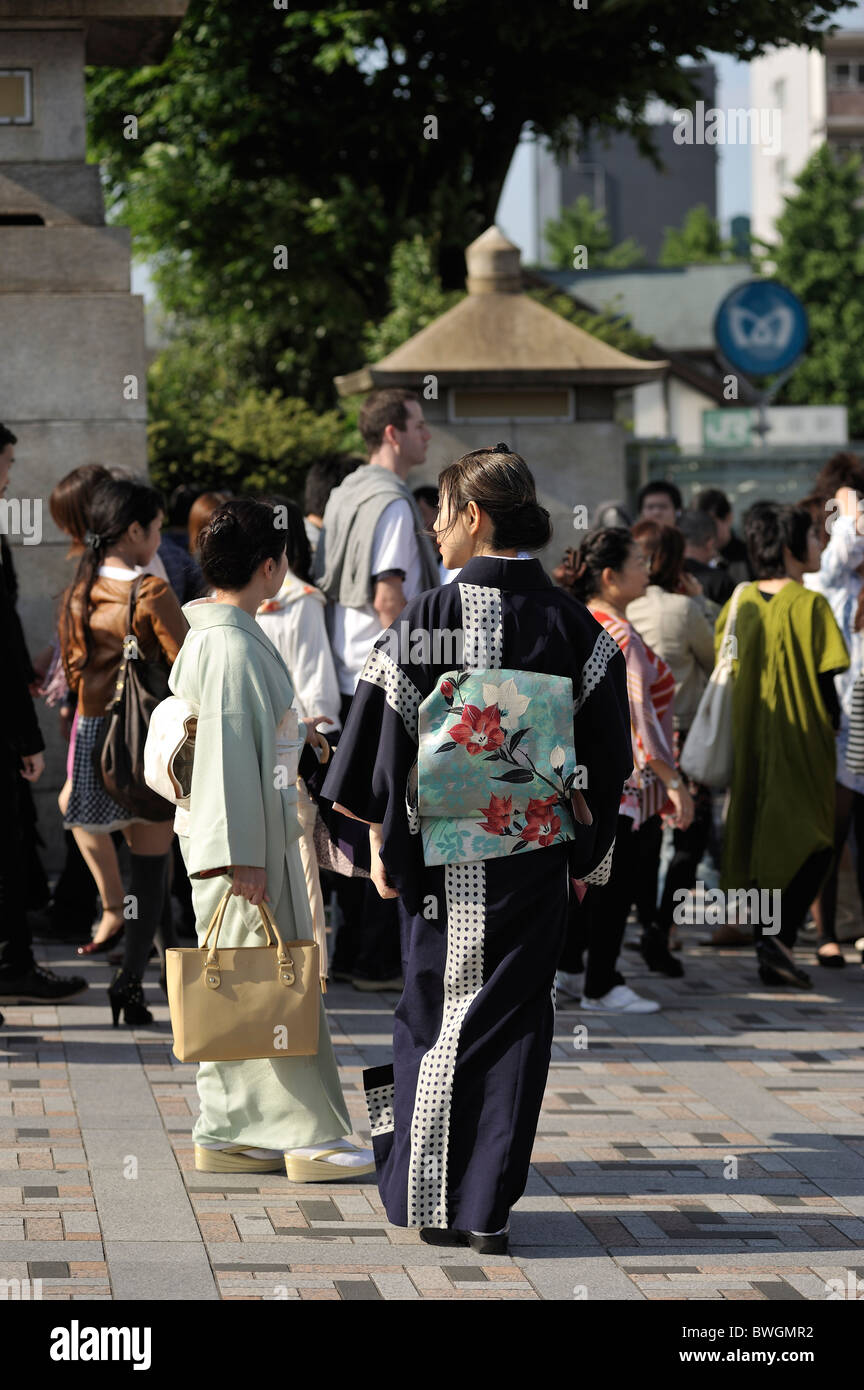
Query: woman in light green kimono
[(242, 829)]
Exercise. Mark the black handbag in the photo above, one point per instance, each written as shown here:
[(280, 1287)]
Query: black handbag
[(119, 755)]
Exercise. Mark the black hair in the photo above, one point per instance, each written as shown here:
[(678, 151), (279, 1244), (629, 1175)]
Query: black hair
[(427, 494), (240, 536), (7, 437), (297, 548), (659, 485), (713, 500), (115, 504), (768, 527), (180, 504), (501, 484), (325, 474), (842, 470), (608, 548)]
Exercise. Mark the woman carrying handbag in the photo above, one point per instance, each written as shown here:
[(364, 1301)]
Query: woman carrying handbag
[(125, 521), (240, 834)]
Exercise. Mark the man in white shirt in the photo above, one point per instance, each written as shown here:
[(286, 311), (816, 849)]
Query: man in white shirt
[(402, 562), (396, 435)]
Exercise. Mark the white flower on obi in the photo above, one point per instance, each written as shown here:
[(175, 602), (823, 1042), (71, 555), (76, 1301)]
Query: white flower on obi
[(556, 758), (507, 698)]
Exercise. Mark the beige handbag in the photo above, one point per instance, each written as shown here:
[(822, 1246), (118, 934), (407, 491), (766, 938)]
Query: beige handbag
[(244, 1002)]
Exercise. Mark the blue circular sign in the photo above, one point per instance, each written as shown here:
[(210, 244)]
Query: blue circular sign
[(761, 327)]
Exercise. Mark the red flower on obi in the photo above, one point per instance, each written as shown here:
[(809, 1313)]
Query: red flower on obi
[(497, 814), (447, 689), (541, 822), (480, 730)]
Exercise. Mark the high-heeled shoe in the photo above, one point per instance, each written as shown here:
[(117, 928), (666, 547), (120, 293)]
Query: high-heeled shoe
[(831, 962), (98, 948), (125, 993)]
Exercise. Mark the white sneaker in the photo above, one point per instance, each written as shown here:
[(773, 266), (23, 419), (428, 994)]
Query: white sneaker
[(569, 986), (621, 999)]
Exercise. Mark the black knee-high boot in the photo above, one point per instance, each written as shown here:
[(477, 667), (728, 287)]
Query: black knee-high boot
[(148, 886)]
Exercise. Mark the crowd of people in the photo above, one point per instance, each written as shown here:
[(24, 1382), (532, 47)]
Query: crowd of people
[(260, 611)]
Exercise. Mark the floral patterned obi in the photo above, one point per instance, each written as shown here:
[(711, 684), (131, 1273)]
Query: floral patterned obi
[(496, 765)]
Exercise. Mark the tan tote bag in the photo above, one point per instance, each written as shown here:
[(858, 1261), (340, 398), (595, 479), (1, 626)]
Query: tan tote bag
[(241, 1002)]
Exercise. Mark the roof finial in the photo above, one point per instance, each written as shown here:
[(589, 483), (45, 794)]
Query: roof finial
[(494, 264)]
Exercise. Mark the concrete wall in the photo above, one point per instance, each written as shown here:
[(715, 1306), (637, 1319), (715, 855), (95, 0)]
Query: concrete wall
[(573, 464), (71, 335), (56, 59)]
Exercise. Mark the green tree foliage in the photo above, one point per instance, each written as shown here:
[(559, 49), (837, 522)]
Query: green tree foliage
[(820, 255), (696, 242), (416, 297), (209, 428), (583, 225), (312, 130)]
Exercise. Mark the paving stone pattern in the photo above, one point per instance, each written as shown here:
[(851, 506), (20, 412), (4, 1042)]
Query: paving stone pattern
[(712, 1151)]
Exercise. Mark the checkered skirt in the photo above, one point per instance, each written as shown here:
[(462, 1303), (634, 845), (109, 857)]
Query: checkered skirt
[(90, 807)]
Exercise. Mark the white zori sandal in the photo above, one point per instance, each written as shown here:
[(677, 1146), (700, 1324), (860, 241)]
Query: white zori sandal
[(333, 1162)]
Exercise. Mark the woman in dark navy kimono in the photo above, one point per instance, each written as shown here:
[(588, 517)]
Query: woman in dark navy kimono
[(535, 684)]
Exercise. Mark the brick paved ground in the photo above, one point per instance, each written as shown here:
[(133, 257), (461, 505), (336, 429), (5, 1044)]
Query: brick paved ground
[(712, 1151)]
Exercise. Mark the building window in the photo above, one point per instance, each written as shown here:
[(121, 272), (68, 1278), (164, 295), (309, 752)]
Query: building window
[(846, 76), (780, 166), (780, 92), (16, 96), (552, 404)]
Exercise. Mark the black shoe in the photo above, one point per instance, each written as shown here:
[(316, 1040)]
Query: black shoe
[(656, 954), (775, 967), (40, 986), (125, 993), (489, 1245), (831, 962), (433, 1235)]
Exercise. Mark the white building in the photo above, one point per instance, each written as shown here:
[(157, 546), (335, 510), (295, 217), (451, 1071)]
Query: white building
[(820, 97)]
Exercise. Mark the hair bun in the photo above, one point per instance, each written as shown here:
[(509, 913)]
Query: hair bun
[(501, 449)]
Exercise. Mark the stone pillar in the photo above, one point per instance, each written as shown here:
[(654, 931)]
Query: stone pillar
[(72, 351)]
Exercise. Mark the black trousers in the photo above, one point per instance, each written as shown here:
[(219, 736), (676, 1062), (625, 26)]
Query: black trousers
[(16, 954), (367, 943), (797, 897), (849, 811), (73, 904), (689, 848), (597, 924)]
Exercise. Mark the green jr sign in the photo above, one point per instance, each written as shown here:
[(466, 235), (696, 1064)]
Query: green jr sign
[(728, 429)]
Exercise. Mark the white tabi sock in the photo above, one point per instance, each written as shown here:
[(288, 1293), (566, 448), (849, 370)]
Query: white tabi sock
[(352, 1158), (250, 1153)]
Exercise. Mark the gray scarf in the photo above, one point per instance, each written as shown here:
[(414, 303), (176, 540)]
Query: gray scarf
[(343, 557)]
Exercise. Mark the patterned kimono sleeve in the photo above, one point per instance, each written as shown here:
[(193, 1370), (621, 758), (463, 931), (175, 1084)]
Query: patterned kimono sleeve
[(652, 737), (601, 730), (373, 770)]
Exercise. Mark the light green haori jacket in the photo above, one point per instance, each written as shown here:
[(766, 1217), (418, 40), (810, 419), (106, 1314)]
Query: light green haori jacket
[(240, 814), (781, 808)]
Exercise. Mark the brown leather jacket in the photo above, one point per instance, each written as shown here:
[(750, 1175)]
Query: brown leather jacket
[(159, 625)]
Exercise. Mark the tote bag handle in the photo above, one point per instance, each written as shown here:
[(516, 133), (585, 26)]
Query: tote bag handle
[(284, 963)]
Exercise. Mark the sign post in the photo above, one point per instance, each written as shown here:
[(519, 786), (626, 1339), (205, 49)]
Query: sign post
[(761, 330)]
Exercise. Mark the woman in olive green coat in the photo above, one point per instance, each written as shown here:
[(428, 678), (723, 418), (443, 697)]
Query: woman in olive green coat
[(779, 831)]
